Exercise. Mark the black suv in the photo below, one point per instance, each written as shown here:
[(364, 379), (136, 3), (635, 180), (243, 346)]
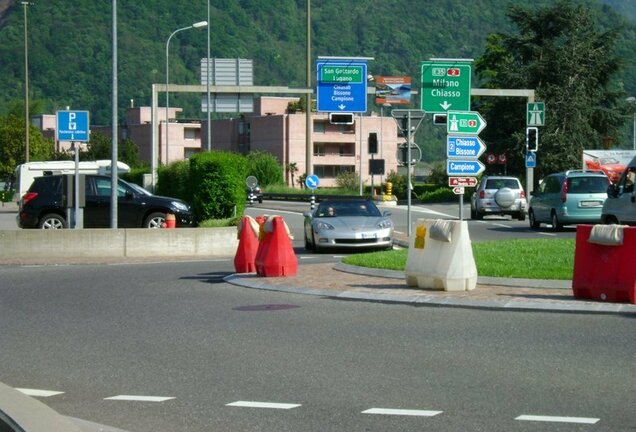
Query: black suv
[(43, 205)]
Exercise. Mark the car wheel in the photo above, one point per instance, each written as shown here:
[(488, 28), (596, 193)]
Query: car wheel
[(155, 220), (476, 215), (307, 244), (52, 221), (609, 220), (556, 225), (533, 221), (521, 216), (260, 200)]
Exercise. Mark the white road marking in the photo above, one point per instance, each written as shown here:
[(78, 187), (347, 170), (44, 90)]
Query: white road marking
[(139, 398), (39, 393), (547, 234), (307, 257), (253, 404), (557, 419), (402, 412)]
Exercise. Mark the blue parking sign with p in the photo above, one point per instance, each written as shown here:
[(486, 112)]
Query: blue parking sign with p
[(72, 126)]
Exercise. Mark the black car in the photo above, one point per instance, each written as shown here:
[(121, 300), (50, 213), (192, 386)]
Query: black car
[(43, 206), (255, 194)]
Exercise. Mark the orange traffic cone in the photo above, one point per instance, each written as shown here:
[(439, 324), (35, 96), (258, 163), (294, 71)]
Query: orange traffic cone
[(275, 255), (244, 260)]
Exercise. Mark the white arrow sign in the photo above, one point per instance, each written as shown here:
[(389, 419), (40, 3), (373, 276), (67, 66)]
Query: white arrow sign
[(445, 106)]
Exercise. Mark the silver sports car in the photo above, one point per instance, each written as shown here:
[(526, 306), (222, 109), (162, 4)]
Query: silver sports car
[(351, 223)]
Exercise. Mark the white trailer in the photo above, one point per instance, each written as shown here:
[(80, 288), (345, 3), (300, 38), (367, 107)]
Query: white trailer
[(25, 173)]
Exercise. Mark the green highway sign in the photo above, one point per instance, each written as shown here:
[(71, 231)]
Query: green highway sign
[(445, 86), (342, 74), (465, 122), (535, 114)]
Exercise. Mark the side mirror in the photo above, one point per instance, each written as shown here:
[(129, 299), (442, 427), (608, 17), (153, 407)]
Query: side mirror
[(386, 213), (612, 191), (129, 195), (307, 214)]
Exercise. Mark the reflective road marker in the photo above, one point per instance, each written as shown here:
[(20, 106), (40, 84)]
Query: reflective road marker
[(39, 393), (402, 412), (556, 419), (139, 398), (252, 404)]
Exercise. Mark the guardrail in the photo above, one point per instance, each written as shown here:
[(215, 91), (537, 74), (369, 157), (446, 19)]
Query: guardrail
[(307, 197)]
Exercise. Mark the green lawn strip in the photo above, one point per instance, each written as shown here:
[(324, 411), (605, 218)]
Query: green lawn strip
[(527, 259)]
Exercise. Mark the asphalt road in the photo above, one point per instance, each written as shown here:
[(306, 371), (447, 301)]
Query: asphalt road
[(200, 352)]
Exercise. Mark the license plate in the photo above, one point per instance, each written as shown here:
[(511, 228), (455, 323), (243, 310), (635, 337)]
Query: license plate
[(591, 203), (367, 235)]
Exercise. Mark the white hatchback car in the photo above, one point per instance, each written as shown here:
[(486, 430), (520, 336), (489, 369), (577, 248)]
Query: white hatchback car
[(499, 195)]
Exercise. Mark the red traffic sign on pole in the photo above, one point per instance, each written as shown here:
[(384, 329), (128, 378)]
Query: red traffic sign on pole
[(462, 181), (458, 190)]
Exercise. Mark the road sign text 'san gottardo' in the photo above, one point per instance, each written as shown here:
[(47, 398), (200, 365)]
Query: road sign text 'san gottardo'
[(342, 86), (445, 86)]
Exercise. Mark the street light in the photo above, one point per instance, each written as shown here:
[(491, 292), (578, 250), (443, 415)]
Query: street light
[(195, 25), (632, 101), (26, 81)]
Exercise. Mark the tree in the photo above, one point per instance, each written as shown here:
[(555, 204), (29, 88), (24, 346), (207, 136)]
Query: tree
[(265, 167), (561, 52), (292, 169), (13, 147)]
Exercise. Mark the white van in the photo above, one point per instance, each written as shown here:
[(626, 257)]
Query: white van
[(25, 173), (620, 205)]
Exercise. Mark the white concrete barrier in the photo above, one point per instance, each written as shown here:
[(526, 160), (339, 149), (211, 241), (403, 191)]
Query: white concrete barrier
[(440, 256), (131, 242)]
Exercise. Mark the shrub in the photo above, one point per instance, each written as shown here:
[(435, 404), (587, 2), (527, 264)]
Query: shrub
[(173, 180), (265, 167), (438, 175), (218, 184), (348, 180), (399, 184), (439, 195)]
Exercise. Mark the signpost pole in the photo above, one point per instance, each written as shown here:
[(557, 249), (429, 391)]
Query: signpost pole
[(77, 220), (408, 175)]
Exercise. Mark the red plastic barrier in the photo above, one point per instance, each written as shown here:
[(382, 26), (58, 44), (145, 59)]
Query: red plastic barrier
[(605, 273), (245, 258), (275, 255)]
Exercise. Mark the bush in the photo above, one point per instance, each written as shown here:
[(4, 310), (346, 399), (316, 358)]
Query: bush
[(218, 184), (136, 175), (349, 181), (173, 181), (439, 195), (399, 184), (265, 167), (438, 175)]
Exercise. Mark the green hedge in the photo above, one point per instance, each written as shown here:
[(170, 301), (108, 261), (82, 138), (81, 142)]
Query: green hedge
[(217, 184), (173, 180)]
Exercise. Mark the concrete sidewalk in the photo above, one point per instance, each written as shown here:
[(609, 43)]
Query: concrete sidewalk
[(350, 282)]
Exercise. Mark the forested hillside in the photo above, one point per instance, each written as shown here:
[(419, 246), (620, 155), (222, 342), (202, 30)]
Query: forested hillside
[(69, 43)]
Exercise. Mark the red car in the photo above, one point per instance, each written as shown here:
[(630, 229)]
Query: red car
[(612, 168)]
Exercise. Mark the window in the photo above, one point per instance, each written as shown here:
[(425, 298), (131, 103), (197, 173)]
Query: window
[(320, 127), (189, 133), (332, 171)]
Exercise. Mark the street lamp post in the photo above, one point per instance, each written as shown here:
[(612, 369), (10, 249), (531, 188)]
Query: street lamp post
[(195, 25), (632, 101), (26, 82)]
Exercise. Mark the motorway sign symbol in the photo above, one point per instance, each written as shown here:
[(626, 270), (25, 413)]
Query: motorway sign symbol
[(458, 190), (464, 146), (72, 126), (535, 114), (445, 85), (342, 86), (458, 167), (465, 122), (312, 181), (462, 181), (531, 160)]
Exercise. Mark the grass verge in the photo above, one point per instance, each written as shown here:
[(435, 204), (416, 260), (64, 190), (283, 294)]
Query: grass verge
[(528, 259)]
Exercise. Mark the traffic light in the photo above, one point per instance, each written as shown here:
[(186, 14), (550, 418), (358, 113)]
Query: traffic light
[(440, 119), (532, 139), (341, 118), (373, 142)]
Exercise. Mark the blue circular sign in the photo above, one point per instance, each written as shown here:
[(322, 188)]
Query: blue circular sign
[(312, 181)]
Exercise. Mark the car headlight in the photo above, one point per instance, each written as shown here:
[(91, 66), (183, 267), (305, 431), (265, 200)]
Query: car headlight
[(323, 226), (385, 224), (179, 205)]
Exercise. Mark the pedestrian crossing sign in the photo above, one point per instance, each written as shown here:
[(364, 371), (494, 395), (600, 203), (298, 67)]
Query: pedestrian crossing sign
[(535, 114)]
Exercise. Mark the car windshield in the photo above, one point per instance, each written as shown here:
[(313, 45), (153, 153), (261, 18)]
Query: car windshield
[(348, 208), (587, 184), (502, 183)]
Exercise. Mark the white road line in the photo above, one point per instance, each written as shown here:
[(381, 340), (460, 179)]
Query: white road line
[(253, 404), (581, 420), (547, 234), (139, 398), (402, 412), (39, 393)]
